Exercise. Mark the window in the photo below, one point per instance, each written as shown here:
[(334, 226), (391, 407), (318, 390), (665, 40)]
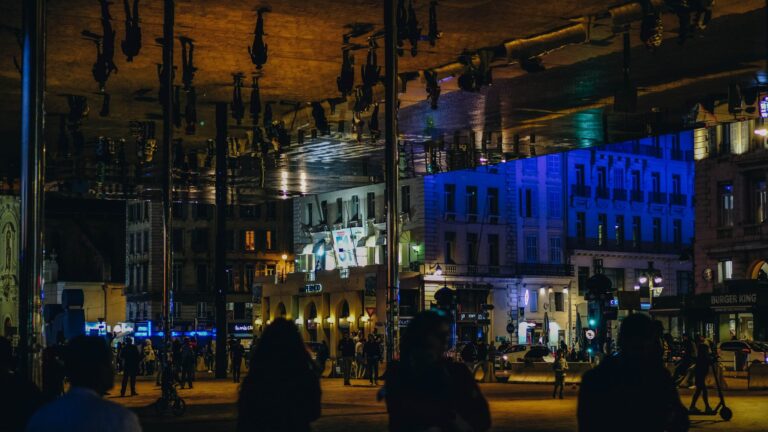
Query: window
[(636, 232), (249, 241), (354, 208), (583, 277), (323, 212), (553, 166), (201, 271), (602, 229), (684, 282), (145, 276), (530, 166), (200, 239), (175, 310), (619, 228), (531, 249), (555, 250), (339, 210), (203, 310), (137, 279), (177, 240), (405, 199), (269, 240), (554, 204), (178, 271), (271, 210), (310, 215), (676, 184), (493, 249), (230, 234), (725, 204), (450, 198), (559, 303), (724, 270), (580, 178), (493, 201), (239, 310), (146, 241), (677, 231), (616, 276), (450, 239), (201, 211), (602, 178), (636, 184), (146, 211), (656, 182), (657, 231), (370, 202), (472, 248), (533, 301), (759, 198), (581, 227), (130, 244), (527, 203), (618, 178), (471, 200), (250, 273)]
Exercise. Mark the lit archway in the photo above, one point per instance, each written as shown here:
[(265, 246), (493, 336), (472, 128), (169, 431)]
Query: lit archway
[(759, 270), (342, 313), (280, 311), (310, 317)]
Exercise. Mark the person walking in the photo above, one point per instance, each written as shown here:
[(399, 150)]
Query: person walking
[(559, 366), (281, 392), (359, 357), (187, 363), (492, 353), (482, 357), (346, 350), (237, 351), (649, 401), (131, 360), (372, 352), (209, 357), (88, 363), (469, 354), (686, 361), (149, 357), (424, 390), (701, 370)]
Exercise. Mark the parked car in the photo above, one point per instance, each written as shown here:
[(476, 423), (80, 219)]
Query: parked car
[(737, 355), (520, 354)]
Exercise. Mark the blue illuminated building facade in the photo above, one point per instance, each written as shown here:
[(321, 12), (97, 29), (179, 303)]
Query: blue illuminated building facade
[(631, 204)]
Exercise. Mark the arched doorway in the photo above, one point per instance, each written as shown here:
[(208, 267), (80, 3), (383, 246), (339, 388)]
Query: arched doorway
[(759, 271), (342, 315), (310, 316), (280, 311)]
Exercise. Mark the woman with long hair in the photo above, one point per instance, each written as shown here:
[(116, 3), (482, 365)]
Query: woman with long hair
[(426, 391), (282, 390)]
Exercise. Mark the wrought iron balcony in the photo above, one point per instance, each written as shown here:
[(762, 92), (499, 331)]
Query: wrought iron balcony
[(678, 199), (657, 197), (581, 190), (603, 193), (619, 194), (636, 196)]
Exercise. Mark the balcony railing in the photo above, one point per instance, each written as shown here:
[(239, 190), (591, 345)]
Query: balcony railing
[(603, 193), (636, 196), (678, 199), (627, 245), (580, 190), (507, 270), (619, 194), (657, 197)]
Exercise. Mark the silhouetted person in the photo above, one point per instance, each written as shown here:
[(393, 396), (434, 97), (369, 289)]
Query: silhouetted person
[(105, 99), (632, 390), (434, 34), (373, 123), (687, 360), (345, 82), (19, 398), (321, 122), (414, 31), (53, 370), (131, 360), (701, 370), (402, 26), (188, 359), (433, 88), (559, 367), (131, 45), (282, 390), (188, 68), (372, 353), (346, 351), (258, 50), (322, 356), (238, 108), (424, 390), (255, 102), (88, 361), (236, 354)]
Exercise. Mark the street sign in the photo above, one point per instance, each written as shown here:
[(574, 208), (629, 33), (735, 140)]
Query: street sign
[(370, 311), (590, 334)]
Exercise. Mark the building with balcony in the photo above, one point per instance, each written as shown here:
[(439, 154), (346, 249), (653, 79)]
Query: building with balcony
[(258, 243), (476, 232), (631, 204), (731, 249)]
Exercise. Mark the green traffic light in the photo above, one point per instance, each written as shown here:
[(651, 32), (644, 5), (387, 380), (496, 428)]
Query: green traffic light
[(592, 321)]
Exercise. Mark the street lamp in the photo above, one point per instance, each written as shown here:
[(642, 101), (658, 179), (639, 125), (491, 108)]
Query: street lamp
[(649, 284), (285, 263)]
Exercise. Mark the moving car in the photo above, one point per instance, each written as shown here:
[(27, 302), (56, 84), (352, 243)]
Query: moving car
[(520, 354), (737, 355)]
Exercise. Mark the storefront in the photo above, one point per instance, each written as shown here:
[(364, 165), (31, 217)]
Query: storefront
[(741, 314)]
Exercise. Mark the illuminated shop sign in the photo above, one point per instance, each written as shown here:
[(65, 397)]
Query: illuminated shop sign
[(733, 299), (311, 289), (764, 107), (240, 328)]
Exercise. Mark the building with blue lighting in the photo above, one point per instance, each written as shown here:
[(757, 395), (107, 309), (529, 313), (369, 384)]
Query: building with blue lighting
[(630, 206)]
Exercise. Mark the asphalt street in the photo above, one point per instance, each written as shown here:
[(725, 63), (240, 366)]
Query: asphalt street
[(514, 407)]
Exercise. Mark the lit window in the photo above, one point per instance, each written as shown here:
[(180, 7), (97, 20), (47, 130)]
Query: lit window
[(268, 239), (724, 270), (250, 240)]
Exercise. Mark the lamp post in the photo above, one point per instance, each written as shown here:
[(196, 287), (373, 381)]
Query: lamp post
[(285, 263), (649, 284)]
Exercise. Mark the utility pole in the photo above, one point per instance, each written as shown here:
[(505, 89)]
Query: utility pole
[(32, 179), (391, 175), (167, 176), (221, 240)]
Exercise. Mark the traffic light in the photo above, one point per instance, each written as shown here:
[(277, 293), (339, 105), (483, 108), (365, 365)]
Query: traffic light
[(593, 314)]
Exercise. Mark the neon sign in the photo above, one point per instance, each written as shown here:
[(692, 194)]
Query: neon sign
[(764, 107)]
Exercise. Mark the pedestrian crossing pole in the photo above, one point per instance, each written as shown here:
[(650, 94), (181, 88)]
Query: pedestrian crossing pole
[(391, 176)]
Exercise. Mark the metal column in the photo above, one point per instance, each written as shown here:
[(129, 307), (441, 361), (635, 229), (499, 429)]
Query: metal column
[(391, 175), (221, 242), (167, 103), (32, 178)]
